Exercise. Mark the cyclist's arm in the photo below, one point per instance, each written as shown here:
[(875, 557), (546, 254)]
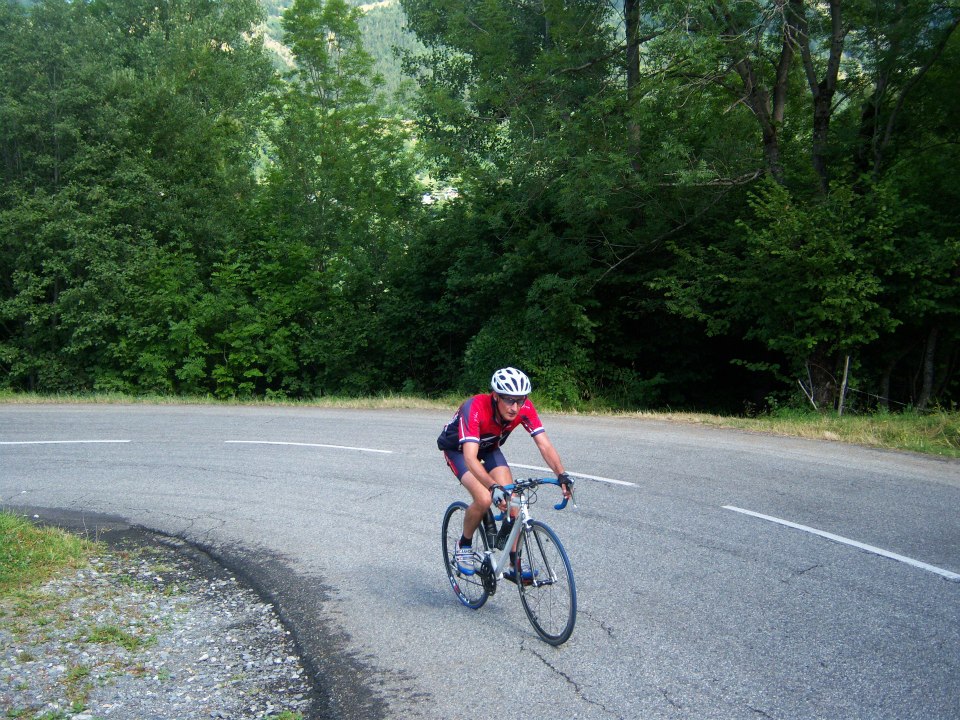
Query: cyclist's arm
[(550, 455)]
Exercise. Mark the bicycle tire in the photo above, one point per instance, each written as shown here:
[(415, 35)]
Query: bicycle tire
[(550, 597), (469, 589)]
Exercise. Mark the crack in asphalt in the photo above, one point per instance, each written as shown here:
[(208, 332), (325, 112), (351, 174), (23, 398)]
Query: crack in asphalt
[(673, 703), (799, 573), (578, 691), (600, 623)]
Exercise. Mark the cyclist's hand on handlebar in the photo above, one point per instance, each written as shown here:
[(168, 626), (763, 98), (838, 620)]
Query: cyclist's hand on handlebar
[(498, 496), (566, 484)]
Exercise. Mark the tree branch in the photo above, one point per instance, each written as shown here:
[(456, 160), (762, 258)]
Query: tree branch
[(663, 236), (911, 84)]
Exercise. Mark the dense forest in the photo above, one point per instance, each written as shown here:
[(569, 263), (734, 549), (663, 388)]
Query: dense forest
[(712, 205)]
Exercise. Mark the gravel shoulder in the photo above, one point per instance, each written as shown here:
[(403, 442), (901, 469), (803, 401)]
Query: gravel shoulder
[(152, 628)]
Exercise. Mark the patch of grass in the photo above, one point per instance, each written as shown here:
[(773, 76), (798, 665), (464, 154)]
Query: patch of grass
[(28, 714), (30, 555), (134, 583), (935, 433), (26, 603), (78, 686), (113, 635)]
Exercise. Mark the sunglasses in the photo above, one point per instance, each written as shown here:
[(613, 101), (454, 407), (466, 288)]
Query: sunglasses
[(508, 400)]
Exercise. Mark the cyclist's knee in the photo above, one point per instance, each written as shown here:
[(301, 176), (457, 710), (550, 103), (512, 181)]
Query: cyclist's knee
[(502, 475)]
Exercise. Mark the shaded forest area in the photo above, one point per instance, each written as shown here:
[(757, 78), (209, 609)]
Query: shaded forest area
[(707, 205)]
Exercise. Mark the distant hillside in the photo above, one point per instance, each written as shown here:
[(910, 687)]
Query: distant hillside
[(384, 28)]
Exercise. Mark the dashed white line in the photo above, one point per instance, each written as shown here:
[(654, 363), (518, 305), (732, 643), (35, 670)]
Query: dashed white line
[(847, 541), (578, 475), (57, 442), (299, 444)]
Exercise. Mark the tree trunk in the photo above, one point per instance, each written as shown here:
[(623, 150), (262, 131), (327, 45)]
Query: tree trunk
[(823, 91), (884, 399), (929, 367), (631, 11), (843, 386), (767, 103), (823, 384)]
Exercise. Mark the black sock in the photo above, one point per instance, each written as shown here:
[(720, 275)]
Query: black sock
[(513, 559), (465, 541)]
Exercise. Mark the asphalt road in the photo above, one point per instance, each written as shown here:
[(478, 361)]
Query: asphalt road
[(688, 607)]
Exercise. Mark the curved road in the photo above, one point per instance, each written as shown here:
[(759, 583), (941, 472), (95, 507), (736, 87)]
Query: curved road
[(705, 589)]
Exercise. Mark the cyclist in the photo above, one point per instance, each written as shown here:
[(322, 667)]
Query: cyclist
[(471, 444)]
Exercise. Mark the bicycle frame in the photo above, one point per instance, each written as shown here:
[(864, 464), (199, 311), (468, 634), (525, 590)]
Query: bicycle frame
[(500, 559)]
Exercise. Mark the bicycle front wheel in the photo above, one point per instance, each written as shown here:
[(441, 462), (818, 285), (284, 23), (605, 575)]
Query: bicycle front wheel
[(469, 589), (547, 590)]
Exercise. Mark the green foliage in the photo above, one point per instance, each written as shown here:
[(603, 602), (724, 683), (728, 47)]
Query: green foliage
[(811, 267), (178, 217), (798, 277), (384, 34), (102, 223), (332, 65), (558, 337), (335, 204)]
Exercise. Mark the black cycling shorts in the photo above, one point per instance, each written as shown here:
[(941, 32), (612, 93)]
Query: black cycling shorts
[(490, 458)]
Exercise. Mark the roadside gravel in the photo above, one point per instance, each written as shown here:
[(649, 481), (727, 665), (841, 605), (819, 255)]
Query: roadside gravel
[(150, 630)]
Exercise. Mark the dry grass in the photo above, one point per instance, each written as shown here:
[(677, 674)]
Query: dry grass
[(936, 433), (384, 401)]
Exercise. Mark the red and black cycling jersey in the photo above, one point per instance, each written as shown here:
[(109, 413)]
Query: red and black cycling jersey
[(477, 421)]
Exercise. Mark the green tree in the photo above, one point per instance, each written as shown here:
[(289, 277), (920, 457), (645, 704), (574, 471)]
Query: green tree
[(803, 285), (334, 205), (576, 167), (790, 64), (625, 157), (130, 150)]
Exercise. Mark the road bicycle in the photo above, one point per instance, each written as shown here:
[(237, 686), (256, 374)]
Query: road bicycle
[(542, 573)]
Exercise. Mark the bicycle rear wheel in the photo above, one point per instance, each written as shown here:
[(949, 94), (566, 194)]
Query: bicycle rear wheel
[(547, 590), (469, 589)]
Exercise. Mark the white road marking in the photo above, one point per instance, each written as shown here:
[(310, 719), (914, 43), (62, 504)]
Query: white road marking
[(578, 475), (318, 445), (847, 541), (57, 442)]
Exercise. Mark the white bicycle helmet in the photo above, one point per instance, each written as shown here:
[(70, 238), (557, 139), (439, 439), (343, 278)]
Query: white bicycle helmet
[(510, 381)]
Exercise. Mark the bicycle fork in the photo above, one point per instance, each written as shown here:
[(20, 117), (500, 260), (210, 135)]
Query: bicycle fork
[(542, 555)]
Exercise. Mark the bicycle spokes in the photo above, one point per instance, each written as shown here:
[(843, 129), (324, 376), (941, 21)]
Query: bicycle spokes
[(542, 570), (550, 599)]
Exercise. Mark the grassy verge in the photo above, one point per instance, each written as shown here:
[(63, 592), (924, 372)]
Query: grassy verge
[(31, 555), (935, 433), (385, 400), (76, 615)]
